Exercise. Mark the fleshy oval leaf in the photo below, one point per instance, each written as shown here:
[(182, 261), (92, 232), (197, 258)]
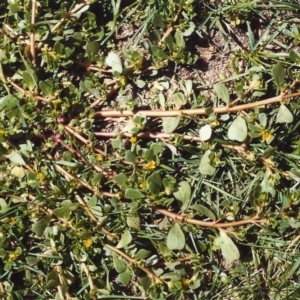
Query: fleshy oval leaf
[(183, 194), (206, 167), (125, 239), (175, 238), (205, 132), (238, 130), (229, 250), (284, 115), (114, 61), (170, 124)]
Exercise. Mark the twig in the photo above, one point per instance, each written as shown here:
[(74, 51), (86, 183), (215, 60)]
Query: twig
[(92, 216), (91, 67), (88, 275), (145, 135), (97, 69), (8, 31), (158, 135), (68, 15), (49, 211), (81, 182), (134, 262), (62, 282), (145, 70), (163, 262), (2, 288), (81, 138), (108, 173), (114, 89), (181, 218), (61, 296), (27, 93), (171, 28), (59, 23), (239, 98), (78, 154), (189, 112)]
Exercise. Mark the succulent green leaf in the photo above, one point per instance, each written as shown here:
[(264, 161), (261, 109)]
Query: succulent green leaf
[(205, 132), (284, 115), (133, 219), (229, 250), (125, 277), (179, 100), (116, 143), (125, 239), (62, 212), (179, 39), (175, 238), (183, 194), (69, 205), (114, 61), (18, 172), (46, 87), (140, 83), (263, 119), (133, 194), (32, 260), (190, 29), (119, 264), (39, 227), (238, 130), (143, 253), (202, 210), (16, 158), (121, 179), (222, 92), (206, 167), (158, 21), (154, 183), (29, 80), (8, 102), (92, 48), (294, 223), (3, 205), (295, 57), (170, 124), (278, 74), (131, 156)]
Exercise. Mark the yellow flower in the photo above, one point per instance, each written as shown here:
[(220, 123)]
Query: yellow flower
[(235, 20), (87, 243), (143, 185), (40, 176), (2, 131), (267, 137), (185, 283), (56, 103), (122, 80), (99, 157), (13, 256), (215, 123), (138, 64), (133, 139), (216, 161), (255, 84), (150, 165)]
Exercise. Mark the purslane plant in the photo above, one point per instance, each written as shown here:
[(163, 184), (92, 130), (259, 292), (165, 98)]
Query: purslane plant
[(120, 178)]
